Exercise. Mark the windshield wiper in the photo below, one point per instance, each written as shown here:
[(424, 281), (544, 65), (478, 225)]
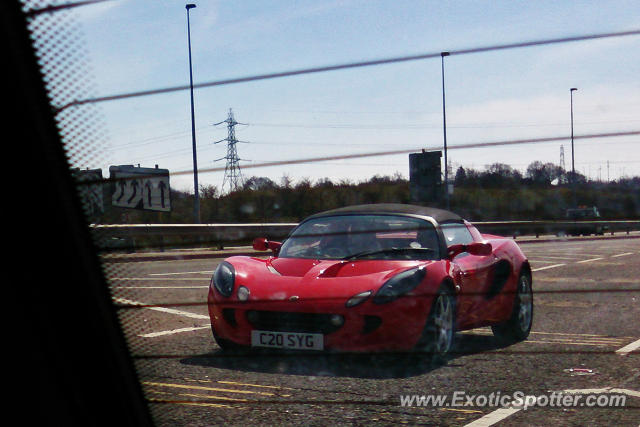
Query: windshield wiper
[(387, 250)]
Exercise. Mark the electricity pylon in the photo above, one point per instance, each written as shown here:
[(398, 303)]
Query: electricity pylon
[(232, 174)]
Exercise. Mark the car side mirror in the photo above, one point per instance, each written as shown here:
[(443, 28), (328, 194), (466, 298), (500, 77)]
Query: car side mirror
[(262, 244), (479, 248), (475, 248)]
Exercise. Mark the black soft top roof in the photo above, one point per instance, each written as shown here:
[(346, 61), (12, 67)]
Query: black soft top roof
[(440, 215)]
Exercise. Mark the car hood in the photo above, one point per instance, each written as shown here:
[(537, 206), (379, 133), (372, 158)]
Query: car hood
[(283, 278), (335, 268)]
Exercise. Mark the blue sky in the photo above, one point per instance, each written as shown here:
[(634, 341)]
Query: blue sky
[(503, 95)]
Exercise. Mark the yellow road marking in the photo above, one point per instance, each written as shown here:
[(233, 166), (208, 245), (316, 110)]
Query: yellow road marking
[(262, 393), (197, 381), (254, 385), (201, 396), (211, 405), (205, 396), (466, 411)]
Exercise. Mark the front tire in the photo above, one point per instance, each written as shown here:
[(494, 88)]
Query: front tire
[(518, 326), (439, 331)]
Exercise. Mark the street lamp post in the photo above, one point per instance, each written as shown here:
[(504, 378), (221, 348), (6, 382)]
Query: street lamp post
[(573, 166), (444, 128), (196, 202)]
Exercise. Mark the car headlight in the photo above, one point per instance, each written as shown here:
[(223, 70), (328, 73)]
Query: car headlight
[(243, 293), (224, 278), (399, 285)]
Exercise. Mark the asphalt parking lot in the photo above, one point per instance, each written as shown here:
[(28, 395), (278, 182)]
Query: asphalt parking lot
[(585, 342)]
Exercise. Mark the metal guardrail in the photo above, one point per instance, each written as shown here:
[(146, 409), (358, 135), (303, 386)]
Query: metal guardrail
[(159, 236), (127, 236), (538, 228), (217, 231)]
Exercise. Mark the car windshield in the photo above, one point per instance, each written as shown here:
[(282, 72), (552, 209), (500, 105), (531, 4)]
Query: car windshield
[(363, 237)]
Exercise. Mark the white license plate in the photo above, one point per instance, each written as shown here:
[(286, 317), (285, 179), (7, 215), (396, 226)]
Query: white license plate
[(288, 340)]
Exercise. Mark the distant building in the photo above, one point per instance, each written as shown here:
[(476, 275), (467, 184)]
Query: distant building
[(425, 177)]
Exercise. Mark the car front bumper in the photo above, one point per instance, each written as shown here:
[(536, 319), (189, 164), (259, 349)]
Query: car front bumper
[(395, 326)]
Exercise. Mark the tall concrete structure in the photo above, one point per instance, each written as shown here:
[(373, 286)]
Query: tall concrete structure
[(425, 177)]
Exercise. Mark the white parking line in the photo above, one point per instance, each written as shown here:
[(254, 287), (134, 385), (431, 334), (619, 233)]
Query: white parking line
[(175, 331), (624, 254), (555, 257), (567, 342), (151, 279), (551, 254), (182, 272), (607, 390), (589, 260), (500, 414), (570, 338), (162, 287), (582, 254), (628, 348), (163, 309), (548, 267), (535, 261)]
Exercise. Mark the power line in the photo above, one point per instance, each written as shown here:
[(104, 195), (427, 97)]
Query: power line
[(57, 8), (494, 125), (407, 151), (323, 143), (346, 66), (431, 126)]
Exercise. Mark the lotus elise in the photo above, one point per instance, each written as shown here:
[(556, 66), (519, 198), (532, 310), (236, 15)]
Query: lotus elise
[(379, 277)]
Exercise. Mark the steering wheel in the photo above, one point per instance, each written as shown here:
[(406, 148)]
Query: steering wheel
[(335, 252)]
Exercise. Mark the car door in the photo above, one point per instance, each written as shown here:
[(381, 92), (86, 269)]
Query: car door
[(474, 272)]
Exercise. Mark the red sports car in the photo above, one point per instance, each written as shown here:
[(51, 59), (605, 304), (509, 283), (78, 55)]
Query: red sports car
[(373, 278)]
